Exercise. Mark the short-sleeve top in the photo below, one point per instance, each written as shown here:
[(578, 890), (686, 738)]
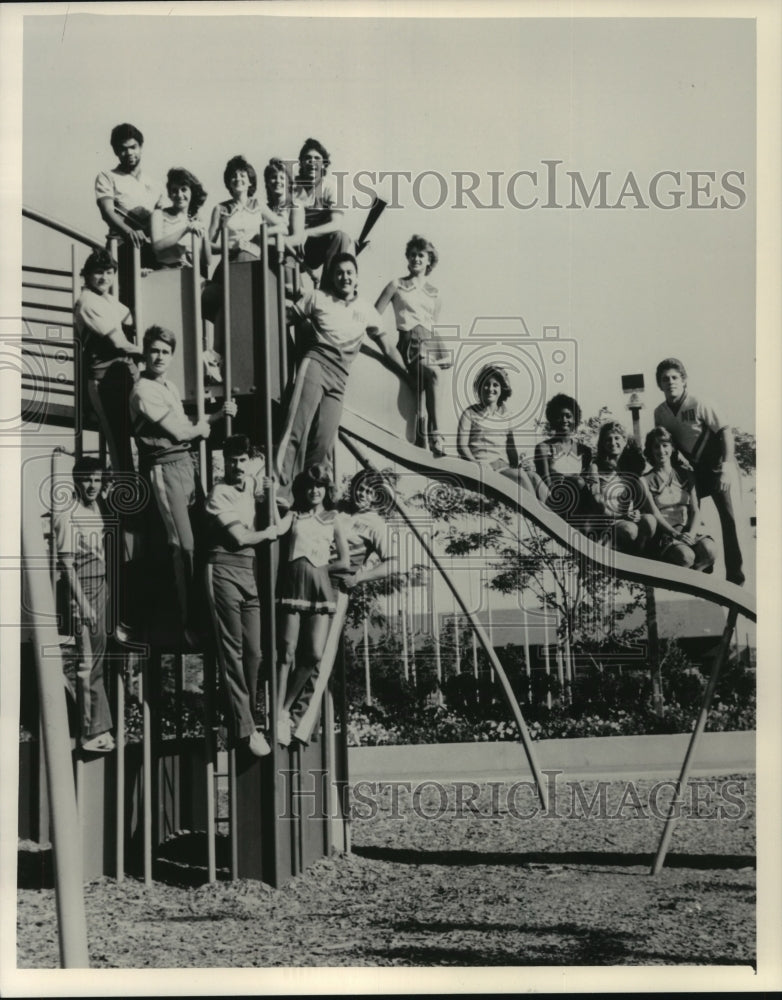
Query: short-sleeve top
[(243, 222), (337, 327), (134, 197), (414, 305), (95, 318), (671, 493), (228, 505), (318, 201), (573, 462), (366, 533), (488, 434), (151, 400), (78, 532), (619, 490), (312, 536), (179, 254), (694, 428)]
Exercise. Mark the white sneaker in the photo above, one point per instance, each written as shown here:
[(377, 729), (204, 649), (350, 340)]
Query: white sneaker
[(258, 744), (284, 729)]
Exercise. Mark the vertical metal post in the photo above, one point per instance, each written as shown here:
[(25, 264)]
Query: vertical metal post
[(281, 316), (654, 650), (232, 807), (71, 916), (120, 764), (700, 725), (475, 656), (179, 662), (456, 645), (546, 660), (78, 364), (434, 618), (267, 585), (146, 768), (367, 679), (226, 324)]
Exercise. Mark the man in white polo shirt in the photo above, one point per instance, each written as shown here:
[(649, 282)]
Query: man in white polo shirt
[(707, 444), (335, 326)]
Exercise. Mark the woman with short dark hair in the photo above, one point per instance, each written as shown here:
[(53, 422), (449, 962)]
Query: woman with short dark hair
[(485, 432)]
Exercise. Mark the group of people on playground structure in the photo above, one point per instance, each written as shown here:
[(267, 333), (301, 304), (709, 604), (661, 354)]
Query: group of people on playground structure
[(608, 495)]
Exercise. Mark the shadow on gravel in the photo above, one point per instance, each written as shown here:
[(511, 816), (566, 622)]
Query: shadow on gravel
[(407, 856), (180, 862)]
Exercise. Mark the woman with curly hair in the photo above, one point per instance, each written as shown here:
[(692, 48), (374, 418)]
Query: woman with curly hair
[(172, 227), (416, 305), (562, 461), (485, 432), (624, 517), (672, 490)]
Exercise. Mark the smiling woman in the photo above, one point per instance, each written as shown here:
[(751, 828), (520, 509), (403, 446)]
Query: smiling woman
[(172, 228)]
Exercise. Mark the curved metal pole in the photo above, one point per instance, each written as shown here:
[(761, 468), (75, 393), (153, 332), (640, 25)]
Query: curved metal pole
[(61, 227), (66, 841), (700, 725), (499, 670)]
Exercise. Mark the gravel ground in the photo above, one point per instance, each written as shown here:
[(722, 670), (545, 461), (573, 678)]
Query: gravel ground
[(432, 884)]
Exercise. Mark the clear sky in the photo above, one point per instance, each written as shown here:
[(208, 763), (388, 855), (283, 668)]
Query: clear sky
[(628, 285)]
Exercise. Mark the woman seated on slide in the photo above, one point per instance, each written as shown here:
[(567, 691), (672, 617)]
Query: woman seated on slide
[(672, 491), (485, 432), (623, 513), (563, 462), (172, 228), (416, 306)]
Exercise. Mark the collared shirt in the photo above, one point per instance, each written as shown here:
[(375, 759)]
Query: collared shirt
[(318, 201), (95, 318), (79, 534), (414, 305), (135, 197), (152, 400), (694, 428), (338, 326), (229, 505), (366, 533)]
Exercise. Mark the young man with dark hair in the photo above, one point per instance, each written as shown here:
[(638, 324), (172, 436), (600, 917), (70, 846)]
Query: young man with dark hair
[(334, 324), (164, 435), (707, 444), (231, 583), (78, 535), (103, 327), (315, 192)]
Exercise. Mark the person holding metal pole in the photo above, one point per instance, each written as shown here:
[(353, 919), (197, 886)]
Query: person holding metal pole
[(164, 436), (104, 328), (231, 586), (367, 537)]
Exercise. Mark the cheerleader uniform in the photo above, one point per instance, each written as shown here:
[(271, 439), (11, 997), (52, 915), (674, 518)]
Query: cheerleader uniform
[(305, 586)]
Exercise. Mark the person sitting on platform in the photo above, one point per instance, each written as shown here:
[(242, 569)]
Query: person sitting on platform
[(623, 517), (416, 305), (231, 583), (562, 461), (707, 443), (306, 595), (336, 324), (103, 327), (672, 489), (78, 535), (163, 437), (314, 191), (486, 436), (172, 228), (126, 197)]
